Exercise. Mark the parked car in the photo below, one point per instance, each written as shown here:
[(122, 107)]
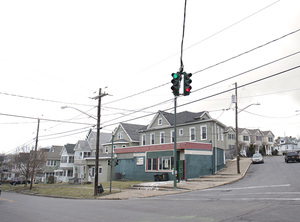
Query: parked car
[(18, 180), (291, 157), (257, 158)]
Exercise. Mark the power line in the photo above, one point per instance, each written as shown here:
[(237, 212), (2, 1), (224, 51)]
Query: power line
[(216, 94), (44, 100), (216, 64), (245, 72), (50, 120)]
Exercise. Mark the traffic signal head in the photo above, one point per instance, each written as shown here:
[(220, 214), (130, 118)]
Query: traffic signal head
[(186, 85), (176, 83)]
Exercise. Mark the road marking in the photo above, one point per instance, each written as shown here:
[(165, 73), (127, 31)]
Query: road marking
[(271, 198), (245, 188), (8, 200)]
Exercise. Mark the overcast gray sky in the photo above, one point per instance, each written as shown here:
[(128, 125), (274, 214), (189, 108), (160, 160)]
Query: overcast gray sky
[(57, 53)]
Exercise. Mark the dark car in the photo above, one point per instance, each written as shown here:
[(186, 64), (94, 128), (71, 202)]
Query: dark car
[(17, 180), (291, 157)]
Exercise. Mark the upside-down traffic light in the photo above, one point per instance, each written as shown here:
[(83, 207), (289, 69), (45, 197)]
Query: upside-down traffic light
[(176, 83), (186, 84)]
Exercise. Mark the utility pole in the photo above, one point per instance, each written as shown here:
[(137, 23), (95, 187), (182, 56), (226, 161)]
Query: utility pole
[(35, 150), (97, 142), (236, 132), (111, 161)]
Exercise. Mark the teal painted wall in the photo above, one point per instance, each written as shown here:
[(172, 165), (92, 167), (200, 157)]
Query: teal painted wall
[(197, 165), (220, 159)]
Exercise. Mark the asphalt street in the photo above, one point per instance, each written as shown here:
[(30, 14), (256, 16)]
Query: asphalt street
[(268, 192)]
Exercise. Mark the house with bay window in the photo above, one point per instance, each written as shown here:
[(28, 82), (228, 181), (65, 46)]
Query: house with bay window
[(200, 147), (65, 171)]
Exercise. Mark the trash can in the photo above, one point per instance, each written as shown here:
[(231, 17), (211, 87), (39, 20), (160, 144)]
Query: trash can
[(100, 189), (156, 177)]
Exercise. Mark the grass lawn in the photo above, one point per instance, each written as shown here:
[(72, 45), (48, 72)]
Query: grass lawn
[(69, 190)]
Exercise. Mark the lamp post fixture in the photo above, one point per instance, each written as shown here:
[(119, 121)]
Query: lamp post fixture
[(71, 107), (98, 97), (236, 128)]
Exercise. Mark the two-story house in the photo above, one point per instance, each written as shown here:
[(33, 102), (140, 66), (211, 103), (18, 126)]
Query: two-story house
[(230, 135), (200, 147), (244, 137), (256, 139), (65, 171), (52, 156), (286, 144), (268, 141)]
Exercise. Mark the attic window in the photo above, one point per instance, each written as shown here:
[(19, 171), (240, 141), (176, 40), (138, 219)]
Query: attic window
[(160, 121), (120, 135)]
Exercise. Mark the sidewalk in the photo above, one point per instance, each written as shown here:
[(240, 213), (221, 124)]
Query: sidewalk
[(225, 176)]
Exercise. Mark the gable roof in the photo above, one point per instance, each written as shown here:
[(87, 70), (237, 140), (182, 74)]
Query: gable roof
[(69, 148), (54, 153), (82, 145), (255, 131), (183, 117), (132, 130)]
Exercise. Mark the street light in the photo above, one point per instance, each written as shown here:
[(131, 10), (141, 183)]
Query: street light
[(248, 106), (71, 107), (234, 100), (98, 97)]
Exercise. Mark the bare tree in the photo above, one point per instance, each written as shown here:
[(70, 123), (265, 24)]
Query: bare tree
[(24, 163)]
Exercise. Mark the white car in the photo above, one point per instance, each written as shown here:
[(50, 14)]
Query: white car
[(257, 158)]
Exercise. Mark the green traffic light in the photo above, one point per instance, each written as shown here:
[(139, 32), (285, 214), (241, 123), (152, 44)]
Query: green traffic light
[(175, 76)]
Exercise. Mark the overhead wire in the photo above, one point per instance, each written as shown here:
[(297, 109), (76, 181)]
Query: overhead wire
[(213, 95)]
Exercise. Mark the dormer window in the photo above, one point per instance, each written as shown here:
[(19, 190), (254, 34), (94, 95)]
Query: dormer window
[(159, 121)]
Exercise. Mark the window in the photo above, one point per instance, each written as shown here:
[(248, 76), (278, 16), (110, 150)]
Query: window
[(231, 147), (203, 133), (162, 137), (222, 135), (246, 138), (192, 134), (144, 139), (152, 138), (100, 170), (166, 163), (172, 136), (70, 173), (152, 164), (258, 138), (218, 133), (159, 121), (270, 139), (180, 132), (86, 154), (231, 136), (64, 159), (51, 163), (71, 159), (120, 135)]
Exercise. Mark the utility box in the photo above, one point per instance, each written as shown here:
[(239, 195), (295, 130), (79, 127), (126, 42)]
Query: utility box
[(100, 189)]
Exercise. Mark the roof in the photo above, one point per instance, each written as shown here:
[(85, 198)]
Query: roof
[(69, 148), (182, 117), (82, 145), (132, 130), (54, 153)]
